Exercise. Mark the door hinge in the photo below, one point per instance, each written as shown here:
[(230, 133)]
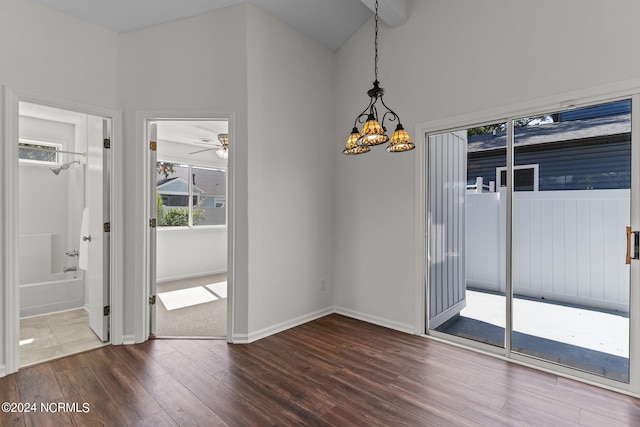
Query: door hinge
[(152, 223), (107, 227), (107, 143), (106, 310), (152, 300), (153, 145)]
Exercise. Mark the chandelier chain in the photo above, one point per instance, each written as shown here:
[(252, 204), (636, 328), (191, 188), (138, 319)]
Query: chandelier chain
[(376, 43)]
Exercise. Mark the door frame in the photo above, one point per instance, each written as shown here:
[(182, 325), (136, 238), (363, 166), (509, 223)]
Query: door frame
[(142, 293), (11, 306), (623, 90)]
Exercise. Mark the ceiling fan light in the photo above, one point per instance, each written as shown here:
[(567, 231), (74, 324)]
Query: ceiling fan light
[(400, 141), (223, 152)]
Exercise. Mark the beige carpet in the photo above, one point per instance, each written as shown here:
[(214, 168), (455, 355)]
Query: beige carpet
[(194, 307)]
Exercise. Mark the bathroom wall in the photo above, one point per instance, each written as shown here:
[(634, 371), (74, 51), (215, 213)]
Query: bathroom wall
[(50, 208)]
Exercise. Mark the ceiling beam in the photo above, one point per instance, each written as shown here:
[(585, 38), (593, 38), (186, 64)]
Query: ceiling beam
[(393, 12)]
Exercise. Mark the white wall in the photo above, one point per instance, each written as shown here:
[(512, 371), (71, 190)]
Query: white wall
[(189, 252), (290, 81), (457, 57), (145, 71), (53, 55), (451, 58), (197, 64)]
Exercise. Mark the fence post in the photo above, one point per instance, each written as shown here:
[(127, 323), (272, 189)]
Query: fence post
[(502, 230)]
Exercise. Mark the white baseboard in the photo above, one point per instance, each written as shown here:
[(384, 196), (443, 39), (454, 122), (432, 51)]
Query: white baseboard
[(128, 339), (402, 327), (3, 371), (189, 276), (271, 330)]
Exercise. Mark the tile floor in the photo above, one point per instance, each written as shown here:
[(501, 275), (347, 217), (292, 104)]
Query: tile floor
[(55, 335)]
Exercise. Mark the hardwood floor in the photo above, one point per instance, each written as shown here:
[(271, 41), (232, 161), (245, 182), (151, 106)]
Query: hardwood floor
[(333, 371)]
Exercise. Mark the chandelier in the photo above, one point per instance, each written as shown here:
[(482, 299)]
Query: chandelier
[(223, 150), (373, 131)]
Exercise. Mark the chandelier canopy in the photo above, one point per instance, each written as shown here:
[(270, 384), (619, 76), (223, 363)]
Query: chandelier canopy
[(373, 131)]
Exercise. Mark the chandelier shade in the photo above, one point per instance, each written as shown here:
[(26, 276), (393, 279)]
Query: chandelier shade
[(400, 141), (373, 132), (373, 129), (352, 146)]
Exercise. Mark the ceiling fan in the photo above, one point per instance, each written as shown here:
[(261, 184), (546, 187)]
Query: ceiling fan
[(221, 146)]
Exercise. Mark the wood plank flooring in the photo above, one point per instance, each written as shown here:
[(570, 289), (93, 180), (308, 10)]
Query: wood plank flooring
[(334, 371)]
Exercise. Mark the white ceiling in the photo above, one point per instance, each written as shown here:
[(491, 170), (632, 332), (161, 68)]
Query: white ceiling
[(200, 133), (329, 22)]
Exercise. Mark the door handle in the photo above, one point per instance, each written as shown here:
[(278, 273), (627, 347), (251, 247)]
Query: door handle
[(636, 245)]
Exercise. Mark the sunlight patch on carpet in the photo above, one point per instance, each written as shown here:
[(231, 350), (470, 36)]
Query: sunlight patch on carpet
[(219, 289), (185, 297)]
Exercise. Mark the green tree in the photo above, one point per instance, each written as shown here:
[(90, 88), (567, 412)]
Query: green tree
[(519, 123), (165, 168), (160, 208)]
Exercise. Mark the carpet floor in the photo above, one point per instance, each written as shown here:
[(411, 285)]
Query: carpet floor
[(195, 307)]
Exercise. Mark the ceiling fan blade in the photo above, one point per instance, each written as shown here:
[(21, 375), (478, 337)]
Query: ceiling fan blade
[(206, 149)]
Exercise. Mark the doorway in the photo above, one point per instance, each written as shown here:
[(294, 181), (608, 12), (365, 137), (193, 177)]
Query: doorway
[(60, 259), (526, 244), (188, 185)]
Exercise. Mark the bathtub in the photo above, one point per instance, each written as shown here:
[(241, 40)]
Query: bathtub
[(45, 297), (44, 287)]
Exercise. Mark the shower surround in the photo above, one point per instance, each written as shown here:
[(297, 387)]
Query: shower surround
[(52, 198)]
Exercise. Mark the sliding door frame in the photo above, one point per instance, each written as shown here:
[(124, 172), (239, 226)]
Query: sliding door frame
[(623, 90)]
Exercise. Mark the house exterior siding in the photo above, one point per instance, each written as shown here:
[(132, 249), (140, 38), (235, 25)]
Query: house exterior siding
[(580, 166), (581, 149)]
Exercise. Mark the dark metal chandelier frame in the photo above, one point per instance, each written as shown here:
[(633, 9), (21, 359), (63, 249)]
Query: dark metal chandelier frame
[(373, 131)]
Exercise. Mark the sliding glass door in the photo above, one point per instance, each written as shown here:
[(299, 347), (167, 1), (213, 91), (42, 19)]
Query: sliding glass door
[(570, 280), (466, 234), (527, 250)]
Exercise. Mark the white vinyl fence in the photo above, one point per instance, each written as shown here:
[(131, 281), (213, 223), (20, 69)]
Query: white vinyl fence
[(569, 246)]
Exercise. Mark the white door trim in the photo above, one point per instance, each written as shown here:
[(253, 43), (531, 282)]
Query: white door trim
[(11, 296), (142, 259)]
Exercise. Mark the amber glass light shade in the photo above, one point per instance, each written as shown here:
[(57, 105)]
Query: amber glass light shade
[(400, 141), (373, 132), (352, 146)]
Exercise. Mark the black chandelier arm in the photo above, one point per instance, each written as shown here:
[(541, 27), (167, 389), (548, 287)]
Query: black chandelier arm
[(389, 111), (365, 113)]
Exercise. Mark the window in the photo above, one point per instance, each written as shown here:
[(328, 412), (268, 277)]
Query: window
[(205, 187), (525, 177), (39, 152)]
